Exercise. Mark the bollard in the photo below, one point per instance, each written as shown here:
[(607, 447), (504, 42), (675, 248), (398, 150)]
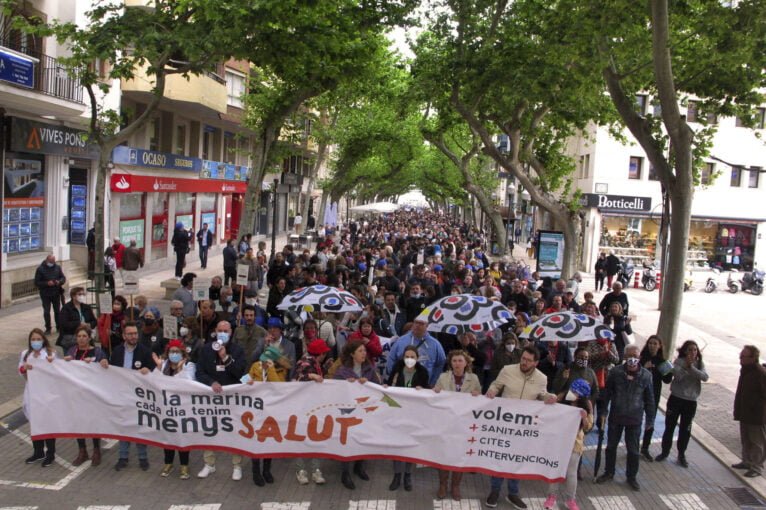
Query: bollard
[(659, 279), (635, 280)]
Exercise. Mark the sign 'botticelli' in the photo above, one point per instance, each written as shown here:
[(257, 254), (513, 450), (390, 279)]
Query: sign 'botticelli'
[(334, 419)]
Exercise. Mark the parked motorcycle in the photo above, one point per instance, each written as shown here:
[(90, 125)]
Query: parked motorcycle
[(752, 281), (713, 281), (625, 274), (649, 276), (688, 280)]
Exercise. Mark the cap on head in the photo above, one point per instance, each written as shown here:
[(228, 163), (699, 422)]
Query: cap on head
[(275, 322)]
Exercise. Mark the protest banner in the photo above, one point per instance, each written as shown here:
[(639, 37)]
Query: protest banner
[(336, 419), (242, 272)]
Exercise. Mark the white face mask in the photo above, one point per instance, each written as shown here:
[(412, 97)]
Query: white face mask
[(510, 347), (183, 331), (81, 298), (250, 301), (410, 362)]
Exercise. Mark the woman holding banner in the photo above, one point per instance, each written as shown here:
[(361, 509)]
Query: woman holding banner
[(85, 350), (38, 350), (407, 373), (458, 378), (175, 363), (355, 367)]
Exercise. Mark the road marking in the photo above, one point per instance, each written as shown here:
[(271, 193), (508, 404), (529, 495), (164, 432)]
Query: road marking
[(211, 506), (104, 507), (18, 508), (534, 503), (271, 505), (463, 504), (372, 504), (74, 472), (686, 501), (611, 503)]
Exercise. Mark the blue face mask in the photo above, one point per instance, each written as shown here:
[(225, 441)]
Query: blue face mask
[(36, 345), (222, 337), (229, 299), (175, 357)]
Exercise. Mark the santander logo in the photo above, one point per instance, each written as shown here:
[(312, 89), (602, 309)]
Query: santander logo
[(122, 184)]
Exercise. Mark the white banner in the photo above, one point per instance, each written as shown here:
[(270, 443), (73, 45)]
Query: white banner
[(334, 419)]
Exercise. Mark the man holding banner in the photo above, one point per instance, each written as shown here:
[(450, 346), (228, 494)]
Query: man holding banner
[(131, 355), (524, 382)]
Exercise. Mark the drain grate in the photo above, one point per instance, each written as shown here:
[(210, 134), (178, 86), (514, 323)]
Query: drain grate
[(744, 497)]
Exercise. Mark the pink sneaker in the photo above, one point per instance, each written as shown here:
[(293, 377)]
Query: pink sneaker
[(550, 503), (572, 505)]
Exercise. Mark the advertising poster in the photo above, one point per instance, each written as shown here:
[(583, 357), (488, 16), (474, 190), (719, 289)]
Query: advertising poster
[(550, 254), (132, 230), (208, 218), (186, 219), (24, 187)]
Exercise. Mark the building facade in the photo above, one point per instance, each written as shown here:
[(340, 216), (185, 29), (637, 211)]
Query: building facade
[(623, 196)]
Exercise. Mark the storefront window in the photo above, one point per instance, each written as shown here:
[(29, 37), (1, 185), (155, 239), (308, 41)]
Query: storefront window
[(23, 203), (185, 211), (207, 209), (132, 218), (159, 225), (735, 246)]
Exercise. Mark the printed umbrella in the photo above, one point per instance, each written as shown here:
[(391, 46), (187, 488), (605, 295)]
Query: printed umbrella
[(567, 327), (322, 298), (464, 312)]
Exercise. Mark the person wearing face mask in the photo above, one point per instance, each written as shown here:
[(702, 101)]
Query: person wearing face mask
[(629, 392), (458, 377), (272, 366), (38, 351), (50, 280), (132, 356), (175, 363), (408, 373), (414, 303), (507, 353), (579, 369), (221, 363), (150, 334), (110, 325), (74, 314), (85, 350), (430, 352)]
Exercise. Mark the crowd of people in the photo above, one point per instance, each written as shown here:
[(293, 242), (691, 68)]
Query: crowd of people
[(395, 265)]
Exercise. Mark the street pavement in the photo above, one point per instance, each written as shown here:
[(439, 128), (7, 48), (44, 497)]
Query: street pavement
[(721, 322)]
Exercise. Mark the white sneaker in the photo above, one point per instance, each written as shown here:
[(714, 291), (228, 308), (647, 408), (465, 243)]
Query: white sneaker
[(236, 474), (302, 476), (206, 471), (317, 477)]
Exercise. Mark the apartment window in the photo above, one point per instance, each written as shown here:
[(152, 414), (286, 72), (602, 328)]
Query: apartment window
[(229, 147), (634, 168), (207, 141), (154, 134), (707, 173), (235, 89), (694, 114), (641, 102), (656, 110), (585, 166), (754, 176), (653, 173), (180, 139), (760, 113), (736, 176)]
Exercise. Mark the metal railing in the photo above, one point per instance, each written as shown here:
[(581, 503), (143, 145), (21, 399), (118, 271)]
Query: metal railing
[(51, 78)]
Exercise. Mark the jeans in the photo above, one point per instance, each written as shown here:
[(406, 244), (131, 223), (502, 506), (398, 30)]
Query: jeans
[(632, 436), (685, 409), (203, 256), (496, 483), (125, 450), (49, 301)]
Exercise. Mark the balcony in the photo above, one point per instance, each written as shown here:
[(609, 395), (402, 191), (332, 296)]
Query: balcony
[(203, 95), (50, 77)]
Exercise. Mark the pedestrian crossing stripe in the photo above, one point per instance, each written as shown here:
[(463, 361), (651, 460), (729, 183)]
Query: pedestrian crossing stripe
[(104, 507), (212, 506), (689, 501), (611, 503), (463, 504), (372, 504), (303, 505)]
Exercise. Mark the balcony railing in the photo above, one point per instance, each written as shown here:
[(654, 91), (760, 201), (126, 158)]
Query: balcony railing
[(51, 78)]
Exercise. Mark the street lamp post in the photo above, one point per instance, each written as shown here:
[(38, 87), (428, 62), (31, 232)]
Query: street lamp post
[(274, 221)]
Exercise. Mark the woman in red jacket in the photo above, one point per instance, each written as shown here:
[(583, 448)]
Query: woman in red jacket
[(367, 336)]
